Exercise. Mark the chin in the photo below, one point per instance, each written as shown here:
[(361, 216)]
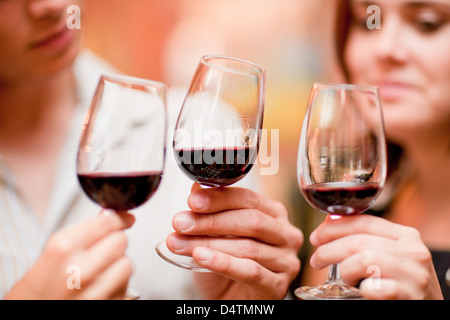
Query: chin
[(58, 62), (402, 130)]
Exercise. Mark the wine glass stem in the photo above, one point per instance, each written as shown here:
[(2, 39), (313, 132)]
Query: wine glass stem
[(333, 274)]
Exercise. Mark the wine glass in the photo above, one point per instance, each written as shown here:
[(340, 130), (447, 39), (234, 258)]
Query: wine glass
[(216, 138), (341, 162), (121, 156)]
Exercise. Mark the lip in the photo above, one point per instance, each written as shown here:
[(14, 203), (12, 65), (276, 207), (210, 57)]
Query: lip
[(53, 40), (394, 90)]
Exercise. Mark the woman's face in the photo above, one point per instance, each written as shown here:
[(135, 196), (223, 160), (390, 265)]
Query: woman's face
[(34, 38), (408, 58)]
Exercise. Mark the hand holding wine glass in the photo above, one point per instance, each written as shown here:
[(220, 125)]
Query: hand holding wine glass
[(388, 260), (217, 134), (84, 261), (122, 148), (244, 238), (341, 162)]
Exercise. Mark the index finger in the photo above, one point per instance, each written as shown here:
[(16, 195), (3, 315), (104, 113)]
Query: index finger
[(209, 200), (89, 232), (335, 229)]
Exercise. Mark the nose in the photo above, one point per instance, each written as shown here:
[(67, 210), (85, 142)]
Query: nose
[(41, 9), (391, 46)]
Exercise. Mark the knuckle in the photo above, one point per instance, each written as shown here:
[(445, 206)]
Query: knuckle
[(211, 221), (422, 255), (108, 223), (359, 224), (88, 274), (296, 238), (319, 257), (248, 249), (256, 220), (127, 267), (417, 249), (421, 283), (251, 198), (120, 241), (226, 266), (281, 209), (356, 243), (368, 258), (255, 273), (281, 285), (58, 246), (393, 292), (423, 279), (294, 265), (122, 238), (412, 233)]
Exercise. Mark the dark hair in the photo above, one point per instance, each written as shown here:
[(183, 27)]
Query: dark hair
[(343, 25)]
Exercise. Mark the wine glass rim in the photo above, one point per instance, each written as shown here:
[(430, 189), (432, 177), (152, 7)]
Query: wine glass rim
[(345, 86), (125, 79), (207, 60)]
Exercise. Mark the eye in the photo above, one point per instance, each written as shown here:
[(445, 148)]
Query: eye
[(428, 26), (360, 24), (359, 19), (428, 22)]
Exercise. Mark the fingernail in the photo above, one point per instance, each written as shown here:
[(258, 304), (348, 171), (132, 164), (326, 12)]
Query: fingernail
[(107, 212), (198, 201), (178, 244), (312, 262), (203, 254), (313, 238), (183, 222)]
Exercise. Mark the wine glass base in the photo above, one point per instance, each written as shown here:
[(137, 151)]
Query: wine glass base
[(132, 294), (329, 291), (184, 262)]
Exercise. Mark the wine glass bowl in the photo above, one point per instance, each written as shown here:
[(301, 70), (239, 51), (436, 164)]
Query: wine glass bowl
[(217, 134), (216, 138), (121, 156), (341, 162)]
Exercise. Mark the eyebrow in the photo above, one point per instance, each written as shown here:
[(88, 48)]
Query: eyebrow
[(439, 5), (364, 2), (410, 4), (421, 3)]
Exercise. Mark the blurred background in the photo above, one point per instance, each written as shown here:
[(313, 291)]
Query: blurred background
[(164, 39)]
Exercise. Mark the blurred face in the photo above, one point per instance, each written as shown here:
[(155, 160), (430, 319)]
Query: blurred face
[(408, 58), (34, 38)]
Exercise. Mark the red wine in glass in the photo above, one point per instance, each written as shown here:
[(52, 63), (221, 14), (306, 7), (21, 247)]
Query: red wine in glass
[(120, 191), (216, 167), (342, 198)]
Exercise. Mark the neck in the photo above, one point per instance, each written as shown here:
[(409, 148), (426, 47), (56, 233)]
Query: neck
[(429, 158), (425, 202), (34, 118), (426, 205)]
